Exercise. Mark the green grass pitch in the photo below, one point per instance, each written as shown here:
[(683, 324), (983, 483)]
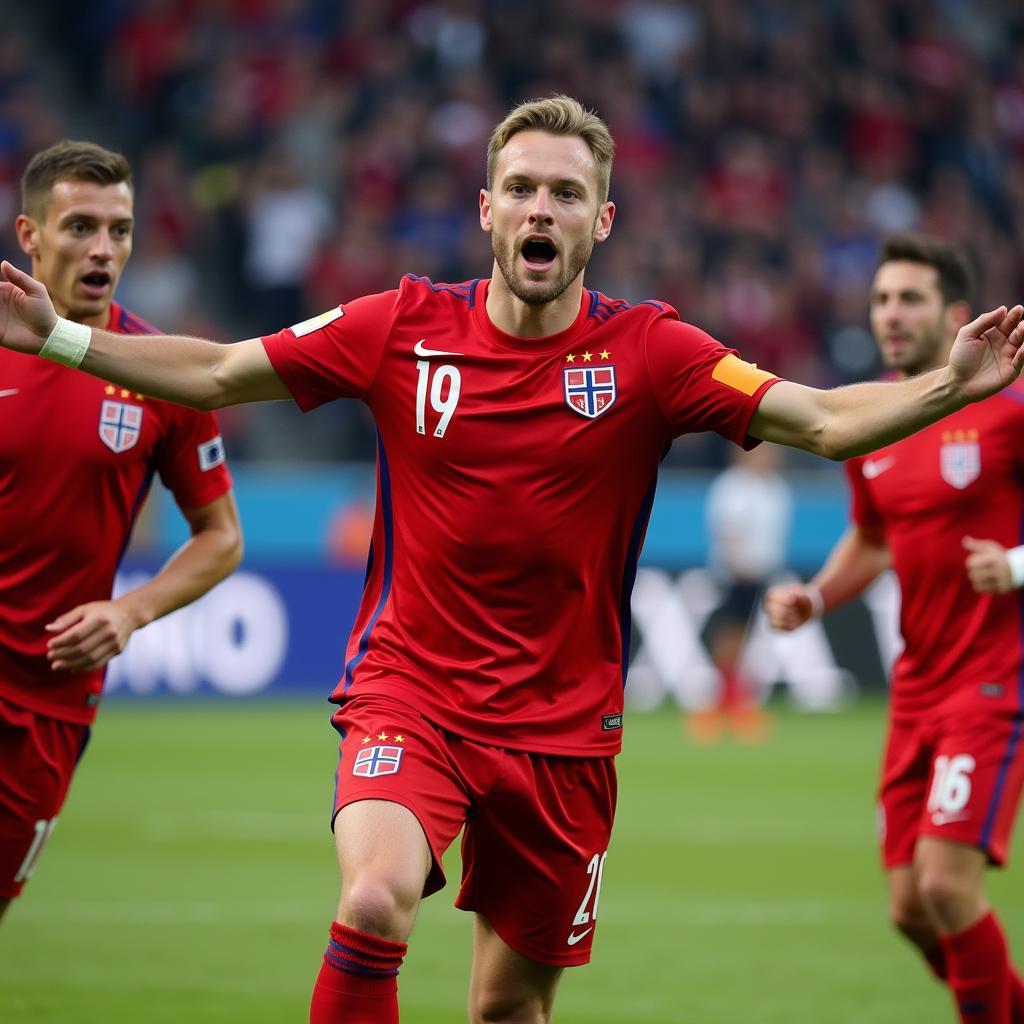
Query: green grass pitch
[(191, 878)]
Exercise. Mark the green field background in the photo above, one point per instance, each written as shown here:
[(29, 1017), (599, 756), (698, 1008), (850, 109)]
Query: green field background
[(191, 879)]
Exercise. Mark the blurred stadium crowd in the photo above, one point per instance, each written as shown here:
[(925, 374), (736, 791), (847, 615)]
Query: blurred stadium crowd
[(291, 154)]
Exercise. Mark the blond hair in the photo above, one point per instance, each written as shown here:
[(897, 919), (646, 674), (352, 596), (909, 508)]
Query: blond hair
[(557, 115)]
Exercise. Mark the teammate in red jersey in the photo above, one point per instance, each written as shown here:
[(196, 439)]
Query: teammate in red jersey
[(521, 419), (77, 456), (954, 764)]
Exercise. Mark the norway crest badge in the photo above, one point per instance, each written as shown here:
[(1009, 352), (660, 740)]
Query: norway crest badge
[(590, 390), (960, 458), (375, 761), (120, 425)]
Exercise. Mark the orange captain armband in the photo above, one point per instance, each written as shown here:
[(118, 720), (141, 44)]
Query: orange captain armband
[(739, 375)]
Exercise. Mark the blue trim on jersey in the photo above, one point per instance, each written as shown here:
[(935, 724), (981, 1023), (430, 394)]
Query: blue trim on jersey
[(337, 771), (629, 575), (462, 291), (472, 292), (147, 482), (1004, 768), (603, 310), (385, 590), (1014, 395), (130, 323)]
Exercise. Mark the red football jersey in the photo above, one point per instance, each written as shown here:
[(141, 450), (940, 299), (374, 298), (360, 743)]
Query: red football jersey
[(962, 476), (77, 456), (515, 481)]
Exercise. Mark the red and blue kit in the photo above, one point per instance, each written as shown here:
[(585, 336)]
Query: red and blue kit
[(484, 676), (77, 456), (515, 481), (954, 763)]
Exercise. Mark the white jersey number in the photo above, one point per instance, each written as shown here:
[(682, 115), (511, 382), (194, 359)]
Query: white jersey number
[(951, 784), (588, 908), (445, 388), (44, 829)]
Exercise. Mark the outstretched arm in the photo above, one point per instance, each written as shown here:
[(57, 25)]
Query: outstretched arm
[(201, 374), (986, 356), (89, 635), (857, 559)]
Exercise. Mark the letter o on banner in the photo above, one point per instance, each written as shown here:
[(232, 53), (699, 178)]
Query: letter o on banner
[(244, 635)]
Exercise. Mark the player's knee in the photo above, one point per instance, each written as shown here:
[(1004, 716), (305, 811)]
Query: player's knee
[(949, 896), (909, 918), (494, 1006), (375, 906)]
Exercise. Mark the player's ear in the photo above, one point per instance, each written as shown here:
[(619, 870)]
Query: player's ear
[(486, 221), (27, 230), (957, 315), (603, 224)]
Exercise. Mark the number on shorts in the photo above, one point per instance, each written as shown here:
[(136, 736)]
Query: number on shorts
[(951, 785), (596, 871), (44, 829)]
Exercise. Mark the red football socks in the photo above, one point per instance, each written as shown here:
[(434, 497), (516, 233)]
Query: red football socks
[(979, 972), (358, 980)]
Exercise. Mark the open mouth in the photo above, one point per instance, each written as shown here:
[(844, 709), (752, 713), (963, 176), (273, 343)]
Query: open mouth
[(539, 253), (96, 281)]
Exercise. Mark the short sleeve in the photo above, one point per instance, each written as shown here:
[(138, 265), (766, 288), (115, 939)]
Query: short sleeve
[(190, 457), (862, 508), (702, 385), (335, 354)]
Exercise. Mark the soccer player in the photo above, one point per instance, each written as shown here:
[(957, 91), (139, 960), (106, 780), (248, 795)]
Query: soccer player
[(954, 764), (521, 419), (77, 456)]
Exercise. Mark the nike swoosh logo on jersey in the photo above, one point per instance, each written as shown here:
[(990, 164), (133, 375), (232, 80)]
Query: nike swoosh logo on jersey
[(574, 938), (876, 467), (426, 353), (8, 392)]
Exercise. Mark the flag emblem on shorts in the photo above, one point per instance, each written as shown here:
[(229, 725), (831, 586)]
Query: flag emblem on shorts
[(960, 458), (375, 761), (590, 390), (120, 425)]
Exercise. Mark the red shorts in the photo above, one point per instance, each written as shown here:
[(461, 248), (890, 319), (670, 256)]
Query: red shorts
[(957, 778), (38, 755), (536, 827)]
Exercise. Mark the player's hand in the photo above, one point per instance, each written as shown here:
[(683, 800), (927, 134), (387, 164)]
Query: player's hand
[(26, 313), (988, 353), (987, 567), (788, 606), (88, 636)]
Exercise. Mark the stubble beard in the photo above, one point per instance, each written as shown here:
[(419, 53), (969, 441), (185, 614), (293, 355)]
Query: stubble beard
[(538, 293), (924, 353)]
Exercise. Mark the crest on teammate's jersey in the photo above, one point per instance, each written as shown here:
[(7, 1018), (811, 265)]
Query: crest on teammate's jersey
[(375, 761), (960, 458), (120, 425), (590, 390)]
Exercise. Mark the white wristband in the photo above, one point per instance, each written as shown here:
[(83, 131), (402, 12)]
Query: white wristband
[(67, 343), (817, 601), (1015, 560)]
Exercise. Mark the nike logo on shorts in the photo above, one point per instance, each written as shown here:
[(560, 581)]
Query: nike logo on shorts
[(426, 353), (876, 467), (8, 392), (574, 938)]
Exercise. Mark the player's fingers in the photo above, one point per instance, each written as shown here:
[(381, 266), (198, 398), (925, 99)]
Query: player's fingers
[(16, 276), (985, 322), (69, 618), (83, 636), (87, 659)]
